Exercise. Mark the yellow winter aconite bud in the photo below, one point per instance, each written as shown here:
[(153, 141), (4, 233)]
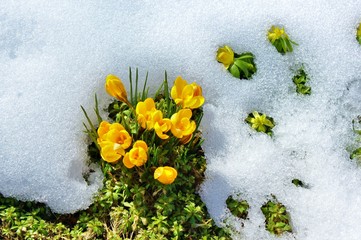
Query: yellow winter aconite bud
[(115, 88), (182, 125), (187, 95), (137, 156), (165, 175), (225, 55), (144, 111)]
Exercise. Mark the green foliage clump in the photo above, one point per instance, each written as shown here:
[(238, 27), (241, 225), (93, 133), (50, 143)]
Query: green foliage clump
[(260, 122), (238, 208), (277, 218), (299, 183), (243, 66), (300, 80)]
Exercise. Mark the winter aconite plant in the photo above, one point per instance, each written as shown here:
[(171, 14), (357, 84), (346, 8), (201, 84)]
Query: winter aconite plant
[(280, 40), (260, 122), (358, 33), (300, 80), (277, 218), (241, 66)]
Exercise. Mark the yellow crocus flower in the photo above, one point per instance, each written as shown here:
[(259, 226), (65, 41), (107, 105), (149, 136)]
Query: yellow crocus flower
[(182, 125), (359, 31), (113, 140), (187, 95), (161, 125), (144, 111), (225, 55), (137, 156), (165, 175), (115, 88), (102, 130)]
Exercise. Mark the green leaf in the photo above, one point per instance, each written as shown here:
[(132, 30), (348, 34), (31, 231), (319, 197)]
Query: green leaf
[(284, 45), (289, 45), (234, 71), (243, 66)]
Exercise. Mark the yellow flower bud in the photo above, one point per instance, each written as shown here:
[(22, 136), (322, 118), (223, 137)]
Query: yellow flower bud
[(115, 88), (137, 156), (165, 175), (182, 124), (225, 55), (276, 33), (144, 111), (188, 95)]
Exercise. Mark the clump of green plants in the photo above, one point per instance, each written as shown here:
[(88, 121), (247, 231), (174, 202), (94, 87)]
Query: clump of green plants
[(300, 80), (260, 122), (356, 126), (238, 208), (358, 33), (280, 40), (299, 183), (277, 218), (241, 66), (151, 156), (152, 146)]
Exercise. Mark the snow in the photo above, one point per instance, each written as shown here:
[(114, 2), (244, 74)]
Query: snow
[(55, 55)]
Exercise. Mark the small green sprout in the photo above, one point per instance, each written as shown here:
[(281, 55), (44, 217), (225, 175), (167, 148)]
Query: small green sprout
[(299, 183), (358, 33), (356, 155), (277, 218), (300, 79), (241, 66), (260, 122), (279, 38), (356, 127), (238, 208)]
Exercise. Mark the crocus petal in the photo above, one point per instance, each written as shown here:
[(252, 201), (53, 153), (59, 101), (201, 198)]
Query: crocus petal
[(108, 154), (126, 161)]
